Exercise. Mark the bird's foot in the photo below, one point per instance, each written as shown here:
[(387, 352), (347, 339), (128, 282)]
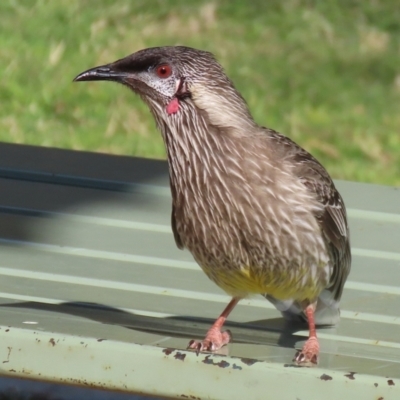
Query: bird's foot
[(214, 340), (308, 355)]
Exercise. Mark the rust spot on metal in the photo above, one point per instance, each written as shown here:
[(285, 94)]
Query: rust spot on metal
[(390, 382), (234, 366), (380, 398), (8, 355), (223, 364), (52, 342), (292, 366), (249, 361), (100, 340), (180, 356), (375, 384), (208, 360), (350, 375), (325, 377), (168, 351)]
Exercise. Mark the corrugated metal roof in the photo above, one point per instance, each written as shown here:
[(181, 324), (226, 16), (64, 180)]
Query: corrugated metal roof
[(93, 290)]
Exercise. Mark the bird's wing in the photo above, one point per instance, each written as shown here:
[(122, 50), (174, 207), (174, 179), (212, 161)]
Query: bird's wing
[(332, 219), (178, 239)]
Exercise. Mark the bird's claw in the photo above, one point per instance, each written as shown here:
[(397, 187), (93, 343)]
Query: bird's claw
[(200, 345), (213, 341), (308, 355)]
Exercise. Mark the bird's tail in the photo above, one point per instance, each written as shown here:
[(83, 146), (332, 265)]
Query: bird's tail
[(326, 313)]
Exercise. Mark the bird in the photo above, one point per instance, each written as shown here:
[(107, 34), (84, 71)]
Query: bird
[(259, 214)]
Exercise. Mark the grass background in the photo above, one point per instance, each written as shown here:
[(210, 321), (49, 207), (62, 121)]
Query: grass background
[(325, 73)]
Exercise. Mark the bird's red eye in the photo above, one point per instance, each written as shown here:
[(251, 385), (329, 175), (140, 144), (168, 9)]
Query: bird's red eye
[(164, 71)]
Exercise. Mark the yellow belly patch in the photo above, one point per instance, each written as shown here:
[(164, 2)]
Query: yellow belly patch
[(282, 285)]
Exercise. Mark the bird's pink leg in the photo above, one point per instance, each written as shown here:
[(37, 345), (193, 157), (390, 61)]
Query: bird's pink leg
[(308, 356), (215, 338)]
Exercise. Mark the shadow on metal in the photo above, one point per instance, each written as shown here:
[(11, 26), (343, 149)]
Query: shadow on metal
[(274, 332)]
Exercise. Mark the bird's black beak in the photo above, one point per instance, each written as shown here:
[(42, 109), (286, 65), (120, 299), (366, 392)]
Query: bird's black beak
[(102, 73)]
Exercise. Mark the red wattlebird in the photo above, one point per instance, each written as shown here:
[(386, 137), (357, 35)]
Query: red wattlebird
[(258, 213)]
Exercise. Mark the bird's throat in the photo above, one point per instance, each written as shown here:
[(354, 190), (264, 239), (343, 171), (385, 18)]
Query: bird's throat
[(173, 106)]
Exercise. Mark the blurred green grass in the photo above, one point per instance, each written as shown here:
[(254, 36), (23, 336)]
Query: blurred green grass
[(325, 73)]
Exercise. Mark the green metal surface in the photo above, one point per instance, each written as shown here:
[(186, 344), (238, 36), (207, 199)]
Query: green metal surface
[(170, 372), (88, 260)]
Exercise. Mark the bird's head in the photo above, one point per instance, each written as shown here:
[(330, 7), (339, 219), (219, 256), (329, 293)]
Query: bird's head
[(170, 79)]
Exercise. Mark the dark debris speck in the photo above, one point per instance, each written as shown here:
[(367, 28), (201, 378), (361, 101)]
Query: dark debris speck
[(350, 375), (180, 356), (390, 382), (325, 377), (168, 351)]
